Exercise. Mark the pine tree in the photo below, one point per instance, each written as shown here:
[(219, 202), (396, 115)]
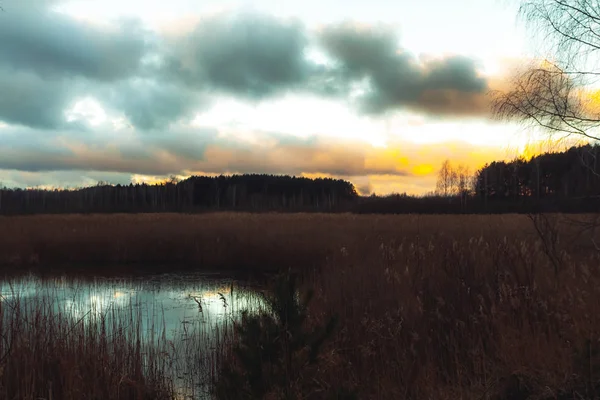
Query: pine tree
[(274, 348)]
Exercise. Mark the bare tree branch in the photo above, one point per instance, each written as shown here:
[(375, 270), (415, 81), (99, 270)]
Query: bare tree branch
[(550, 99), (556, 95)]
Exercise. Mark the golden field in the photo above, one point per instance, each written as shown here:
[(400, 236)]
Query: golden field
[(440, 307)]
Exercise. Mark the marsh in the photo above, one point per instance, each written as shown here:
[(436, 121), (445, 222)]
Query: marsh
[(183, 318)]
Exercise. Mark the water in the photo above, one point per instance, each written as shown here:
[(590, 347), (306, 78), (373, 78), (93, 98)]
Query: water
[(185, 316)]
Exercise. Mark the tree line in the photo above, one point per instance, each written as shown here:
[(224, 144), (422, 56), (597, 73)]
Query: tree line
[(568, 182), (574, 173), (250, 192)]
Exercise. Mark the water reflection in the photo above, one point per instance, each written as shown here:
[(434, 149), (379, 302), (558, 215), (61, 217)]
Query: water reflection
[(185, 316)]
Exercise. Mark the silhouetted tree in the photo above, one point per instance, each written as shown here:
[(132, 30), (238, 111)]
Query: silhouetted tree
[(553, 95), (550, 176), (276, 349), (446, 179), (238, 192)]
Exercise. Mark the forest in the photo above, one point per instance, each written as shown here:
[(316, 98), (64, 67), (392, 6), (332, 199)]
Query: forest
[(251, 192), (567, 181)]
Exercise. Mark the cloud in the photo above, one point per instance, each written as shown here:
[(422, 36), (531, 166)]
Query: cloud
[(185, 151), (27, 99), (53, 45), (369, 58), (185, 144), (363, 185), (255, 56), (149, 104), (59, 179), (49, 59), (180, 151), (143, 88), (244, 53)]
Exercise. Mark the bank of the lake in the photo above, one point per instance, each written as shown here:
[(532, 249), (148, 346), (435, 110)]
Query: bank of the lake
[(154, 336)]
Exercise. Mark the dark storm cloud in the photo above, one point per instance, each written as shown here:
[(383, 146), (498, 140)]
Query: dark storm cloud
[(53, 45), (246, 54), (396, 78), (49, 60), (257, 56), (27, 99)]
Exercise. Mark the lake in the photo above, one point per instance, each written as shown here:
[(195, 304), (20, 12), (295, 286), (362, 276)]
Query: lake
[(185, 318)]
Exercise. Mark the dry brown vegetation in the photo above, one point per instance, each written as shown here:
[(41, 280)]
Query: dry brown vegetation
[(439, 307), (466, 307), (227, 240)]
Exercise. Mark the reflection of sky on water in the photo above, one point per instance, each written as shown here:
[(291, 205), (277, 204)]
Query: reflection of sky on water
[(165, 306), (161, 300)]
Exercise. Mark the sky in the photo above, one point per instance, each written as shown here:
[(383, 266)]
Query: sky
[(379, 93)]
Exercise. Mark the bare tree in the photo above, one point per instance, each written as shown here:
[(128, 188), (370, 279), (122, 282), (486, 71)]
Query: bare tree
[(551, 99), (446, 181), (560, 94), (556, 94), (463, 182)]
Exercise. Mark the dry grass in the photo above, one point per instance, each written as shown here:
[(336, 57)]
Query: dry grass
[(464, 307), (439, 307), (212, 241), (221, 240)]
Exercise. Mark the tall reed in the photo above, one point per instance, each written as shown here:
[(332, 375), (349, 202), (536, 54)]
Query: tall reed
[(429, 307), (46, 354)]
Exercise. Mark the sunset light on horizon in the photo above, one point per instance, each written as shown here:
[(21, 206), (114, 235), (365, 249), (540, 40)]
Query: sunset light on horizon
[(133, 91)]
